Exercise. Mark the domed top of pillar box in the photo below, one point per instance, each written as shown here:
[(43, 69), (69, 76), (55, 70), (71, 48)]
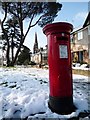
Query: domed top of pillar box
[(59, 27)]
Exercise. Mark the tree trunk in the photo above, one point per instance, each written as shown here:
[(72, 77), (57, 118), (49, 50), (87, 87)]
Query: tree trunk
[(12, 48), (12, 53), (6, 36), (7, 54), (22, 35)]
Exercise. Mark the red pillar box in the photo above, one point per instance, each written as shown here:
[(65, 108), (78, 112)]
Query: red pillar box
[(60, 71)]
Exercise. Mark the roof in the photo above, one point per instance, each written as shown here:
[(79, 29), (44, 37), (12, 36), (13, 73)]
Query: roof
[(76, 29), (87, 21)]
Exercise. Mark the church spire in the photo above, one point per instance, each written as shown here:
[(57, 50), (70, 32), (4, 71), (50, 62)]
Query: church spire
[(36, 38), (35, 48)]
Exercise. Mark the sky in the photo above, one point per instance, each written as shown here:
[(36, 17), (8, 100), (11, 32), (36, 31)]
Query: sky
[(72, 12)]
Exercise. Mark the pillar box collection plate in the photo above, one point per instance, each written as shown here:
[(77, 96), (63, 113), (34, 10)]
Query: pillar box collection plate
[(60, 69)]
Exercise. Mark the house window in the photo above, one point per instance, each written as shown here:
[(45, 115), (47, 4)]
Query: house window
[(80, 35)]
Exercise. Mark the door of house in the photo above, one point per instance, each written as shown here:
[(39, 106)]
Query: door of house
[(80, 56)]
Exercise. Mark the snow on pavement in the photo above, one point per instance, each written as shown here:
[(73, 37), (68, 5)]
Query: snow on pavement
[(24, 93)]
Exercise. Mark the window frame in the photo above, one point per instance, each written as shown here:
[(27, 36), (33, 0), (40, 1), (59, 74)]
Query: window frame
[(80, 35)]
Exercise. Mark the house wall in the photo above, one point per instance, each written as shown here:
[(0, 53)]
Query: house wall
[(36, 58), (83, 41), (79, 47), (89, 49), (40, 57)]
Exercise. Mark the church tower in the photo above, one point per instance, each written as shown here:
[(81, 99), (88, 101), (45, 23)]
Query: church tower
[(35, 48)]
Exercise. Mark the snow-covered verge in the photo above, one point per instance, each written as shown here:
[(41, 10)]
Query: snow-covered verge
[(80, 67), (24, 93)]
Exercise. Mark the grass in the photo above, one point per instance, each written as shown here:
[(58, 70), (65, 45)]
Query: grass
[(81, 72)]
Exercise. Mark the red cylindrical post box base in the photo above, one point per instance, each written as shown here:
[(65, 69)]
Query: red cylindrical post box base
[(61, 105)]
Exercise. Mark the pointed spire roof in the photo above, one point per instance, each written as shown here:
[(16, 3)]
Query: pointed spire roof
[(35, 48)]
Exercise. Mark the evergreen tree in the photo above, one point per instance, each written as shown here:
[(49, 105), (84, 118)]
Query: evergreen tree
[(24, 55), (40, 12)]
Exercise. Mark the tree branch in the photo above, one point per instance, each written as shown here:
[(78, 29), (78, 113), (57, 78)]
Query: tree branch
[(35, 4), (39, 19), (33, 24), (36, 21), (13, 13), (29, 26), (4, 16)]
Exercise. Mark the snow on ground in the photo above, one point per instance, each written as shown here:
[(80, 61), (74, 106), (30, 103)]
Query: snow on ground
[(80, 67), (24, 93)]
